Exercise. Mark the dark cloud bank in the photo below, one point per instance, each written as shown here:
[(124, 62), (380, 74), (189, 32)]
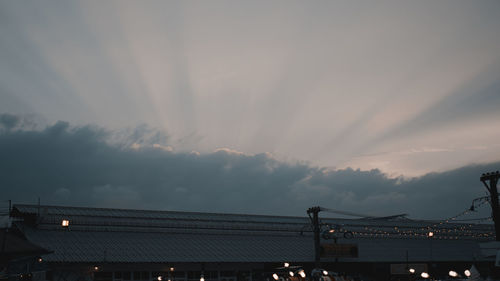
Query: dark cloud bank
[(67, 165)]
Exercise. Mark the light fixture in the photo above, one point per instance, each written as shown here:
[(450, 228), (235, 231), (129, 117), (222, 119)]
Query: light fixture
[(424, 275), (286, 264), (96, 268), (412, 270), (467, 273), (158, 278), (430, 234), (65, 223), (40, 259), (325, 272), (331, 230), (172, 269), (275, 276), (302, 273), (202, 278), (291, 273), (453, 273)]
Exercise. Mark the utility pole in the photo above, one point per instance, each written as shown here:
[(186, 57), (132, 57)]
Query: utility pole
[(315, 221), (492, 189)]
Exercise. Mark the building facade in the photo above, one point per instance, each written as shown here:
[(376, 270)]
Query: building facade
[(141, 245)]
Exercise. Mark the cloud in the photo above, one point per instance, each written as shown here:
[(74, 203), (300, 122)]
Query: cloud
[(72, 165), (324, 82)]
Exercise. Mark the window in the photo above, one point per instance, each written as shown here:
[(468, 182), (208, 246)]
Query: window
[(194, 275), (103, 276), (179, 275)]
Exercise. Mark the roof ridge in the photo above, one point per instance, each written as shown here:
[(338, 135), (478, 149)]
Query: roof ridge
[(157, 211)]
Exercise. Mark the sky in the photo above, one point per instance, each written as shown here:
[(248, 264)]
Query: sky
[(250, 106)]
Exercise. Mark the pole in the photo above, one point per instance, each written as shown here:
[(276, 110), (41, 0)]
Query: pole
[(315, 221), (492, 188)]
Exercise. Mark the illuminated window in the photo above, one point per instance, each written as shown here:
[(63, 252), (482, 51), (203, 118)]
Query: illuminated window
[(65, 223)]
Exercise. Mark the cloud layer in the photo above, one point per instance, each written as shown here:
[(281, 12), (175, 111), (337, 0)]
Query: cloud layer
[(90, 166), (407, 87)]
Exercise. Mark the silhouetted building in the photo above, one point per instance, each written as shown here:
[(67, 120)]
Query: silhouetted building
[(140, 245)]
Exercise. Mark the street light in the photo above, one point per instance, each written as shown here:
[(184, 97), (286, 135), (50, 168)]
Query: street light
[(412, 270), (467, 273), (424, 275), (275, 276), (453, 273)]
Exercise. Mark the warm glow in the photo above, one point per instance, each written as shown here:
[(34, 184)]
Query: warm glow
[(412, 270), (430, 234), (96, 268), (172, 269), (325, 272), (40, 259), (291, 273), (453, 273), (286, 264), (158, 278), (302, 274), (424, 275), (202, 278), (65, 223), (275, 276), (331, 230), (467, 273)]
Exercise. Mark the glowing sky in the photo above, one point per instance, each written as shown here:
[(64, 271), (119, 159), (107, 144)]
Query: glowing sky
[(408, 87)]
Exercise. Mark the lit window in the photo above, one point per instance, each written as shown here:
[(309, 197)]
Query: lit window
[(65, 223)]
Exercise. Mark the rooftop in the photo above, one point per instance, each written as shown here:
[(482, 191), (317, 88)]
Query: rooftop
[(120, 235)]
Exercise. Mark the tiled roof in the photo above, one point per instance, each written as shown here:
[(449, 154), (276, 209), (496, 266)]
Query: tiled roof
[(88, 246), (114, 235), (13, 246)]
